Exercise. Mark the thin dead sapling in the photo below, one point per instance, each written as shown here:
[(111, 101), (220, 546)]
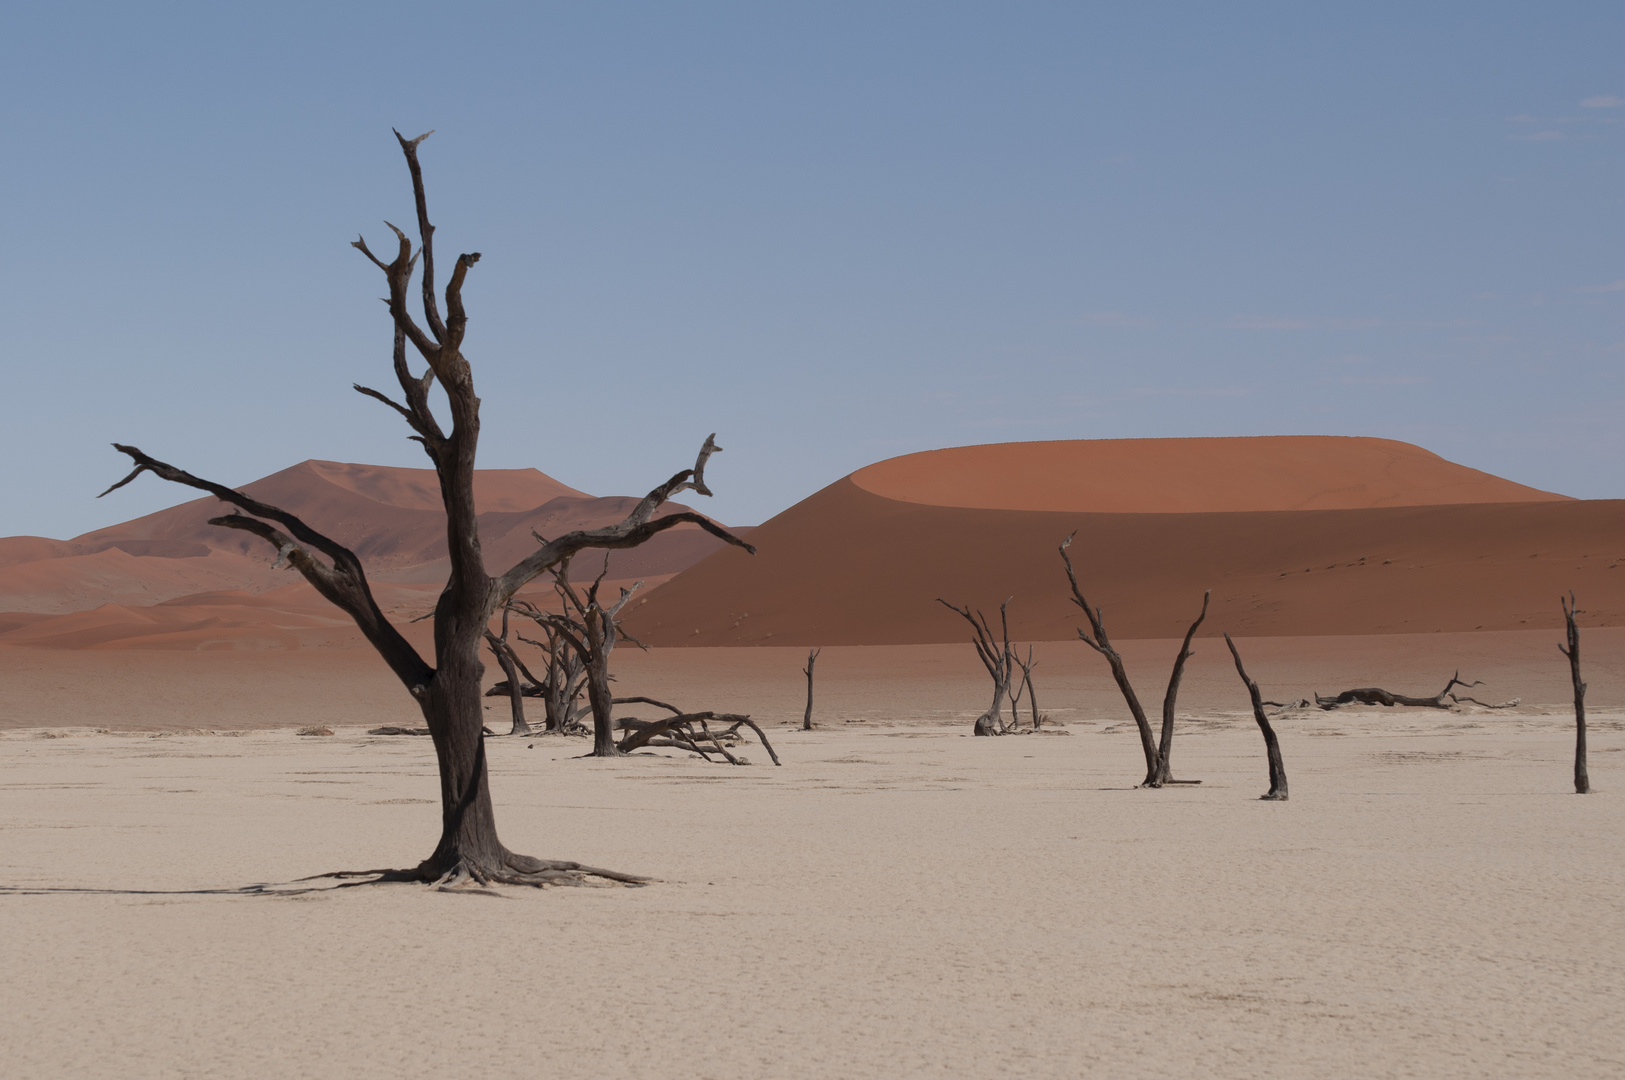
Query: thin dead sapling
[(1582, 777), (806, 717)]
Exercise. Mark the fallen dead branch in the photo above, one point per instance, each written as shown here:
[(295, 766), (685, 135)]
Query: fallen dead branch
[(679, 730), (1444, 699)]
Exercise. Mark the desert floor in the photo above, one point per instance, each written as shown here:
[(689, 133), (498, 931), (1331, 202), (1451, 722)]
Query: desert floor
[(898, 899)]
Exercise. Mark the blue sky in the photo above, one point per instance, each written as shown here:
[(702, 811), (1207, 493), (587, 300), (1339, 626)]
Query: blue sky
[(832, 233)]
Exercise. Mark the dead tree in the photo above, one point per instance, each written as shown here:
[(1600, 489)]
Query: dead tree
[(592, 634), (678, 730), (1272, 747), (806, 717), (997, 659), (562, 687), (448, 691), (510, 667), (1156, 756), (1582, 779), (1376, 695), (1021, 684)]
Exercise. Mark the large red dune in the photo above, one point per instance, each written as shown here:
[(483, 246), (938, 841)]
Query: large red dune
[(1187, 476), (1329, 536)]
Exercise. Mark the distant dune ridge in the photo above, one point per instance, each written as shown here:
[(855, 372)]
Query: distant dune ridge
[(1295, 535), (172, 577), (1188, 476)]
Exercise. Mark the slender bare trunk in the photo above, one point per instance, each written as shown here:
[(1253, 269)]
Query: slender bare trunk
[(806, 717), (1272, 747), (1582, 778), (1165, 747)]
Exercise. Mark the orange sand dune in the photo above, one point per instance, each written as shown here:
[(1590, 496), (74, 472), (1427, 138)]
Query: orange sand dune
[(849, 566), (1168, 476)]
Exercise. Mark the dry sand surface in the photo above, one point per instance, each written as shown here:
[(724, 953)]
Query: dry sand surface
[(897, 900)]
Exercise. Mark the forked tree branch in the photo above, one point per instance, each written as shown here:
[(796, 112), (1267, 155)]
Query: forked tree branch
[(1102, 644), (636, 528), (344, 583)]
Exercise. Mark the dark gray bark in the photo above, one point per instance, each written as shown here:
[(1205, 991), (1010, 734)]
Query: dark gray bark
[(1272, 746), (447, 693), (1582, 777), (806, 717)]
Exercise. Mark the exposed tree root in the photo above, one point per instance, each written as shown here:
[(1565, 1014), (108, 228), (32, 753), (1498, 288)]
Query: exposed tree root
[(508, 869), (525, 870)]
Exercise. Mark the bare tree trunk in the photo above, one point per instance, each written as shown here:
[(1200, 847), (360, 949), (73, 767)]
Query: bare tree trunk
[(1166, 745), (1582, 778), (1272, 747), (1103, 645), (806, 717), (598, 695)]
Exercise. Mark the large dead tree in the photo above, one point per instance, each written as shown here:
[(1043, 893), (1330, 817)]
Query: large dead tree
[(1156, 754), (996, 658), (1272, 746), (1582, 778), (447, 691)]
